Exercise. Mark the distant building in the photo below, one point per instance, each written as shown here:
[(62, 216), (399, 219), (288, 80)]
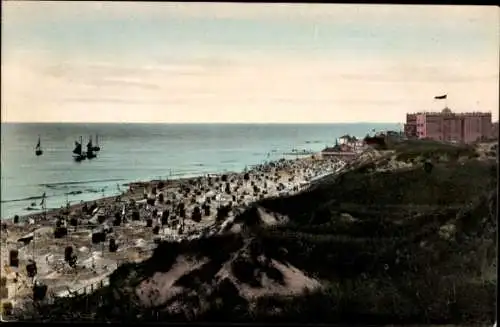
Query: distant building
[(347, 139), (449, 126)]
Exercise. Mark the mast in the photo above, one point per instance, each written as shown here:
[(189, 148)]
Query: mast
[(89, 145), (96, 147), (81, 146), (90, 149)]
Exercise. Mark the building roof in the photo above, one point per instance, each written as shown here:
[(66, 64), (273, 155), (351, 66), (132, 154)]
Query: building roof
[(449, 112), (348, 137)]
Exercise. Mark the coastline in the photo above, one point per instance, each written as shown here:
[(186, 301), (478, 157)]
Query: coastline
[(127, 195), (96, 195), (137, 191), (210, 152), (135, 236)]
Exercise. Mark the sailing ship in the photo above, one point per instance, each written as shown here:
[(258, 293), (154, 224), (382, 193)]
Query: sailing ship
[(96, 148), (90, 149), (79, 155), (38, 148)]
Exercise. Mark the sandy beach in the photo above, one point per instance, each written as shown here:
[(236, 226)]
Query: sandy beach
[(77, 247)]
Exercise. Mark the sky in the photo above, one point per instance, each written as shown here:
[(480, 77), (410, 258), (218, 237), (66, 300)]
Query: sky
[(170, 62)]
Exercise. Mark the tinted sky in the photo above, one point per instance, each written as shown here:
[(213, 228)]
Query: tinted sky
[(195, 62)]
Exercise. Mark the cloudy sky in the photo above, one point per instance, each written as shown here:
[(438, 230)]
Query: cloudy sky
[(208, 62)]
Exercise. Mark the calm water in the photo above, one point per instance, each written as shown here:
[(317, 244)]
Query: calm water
[(131, 152)]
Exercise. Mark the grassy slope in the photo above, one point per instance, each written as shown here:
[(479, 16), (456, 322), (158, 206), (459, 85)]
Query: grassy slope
[(389, 263)]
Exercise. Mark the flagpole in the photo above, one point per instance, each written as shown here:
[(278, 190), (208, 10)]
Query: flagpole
[(34, 236), (443, 97)]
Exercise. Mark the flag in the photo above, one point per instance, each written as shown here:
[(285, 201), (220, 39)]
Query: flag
[(440, 97), (43, 199)]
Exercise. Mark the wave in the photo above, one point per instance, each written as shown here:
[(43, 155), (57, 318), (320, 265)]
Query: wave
[(52, 185), (24, 199), (39, 197)]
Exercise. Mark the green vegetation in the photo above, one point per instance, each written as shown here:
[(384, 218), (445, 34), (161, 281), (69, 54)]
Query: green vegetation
[(406, 246), (428, 149), (391, 262)]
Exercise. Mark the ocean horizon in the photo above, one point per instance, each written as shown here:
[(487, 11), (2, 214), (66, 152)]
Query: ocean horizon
[(142, 151)]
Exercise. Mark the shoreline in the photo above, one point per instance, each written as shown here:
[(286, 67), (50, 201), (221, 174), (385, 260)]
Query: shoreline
[(170, 183), (138, 187), (124, 182), (136, 236)]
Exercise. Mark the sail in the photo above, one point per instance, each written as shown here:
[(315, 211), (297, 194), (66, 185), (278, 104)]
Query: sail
[(38, 145), (78, 148), (90, 149)]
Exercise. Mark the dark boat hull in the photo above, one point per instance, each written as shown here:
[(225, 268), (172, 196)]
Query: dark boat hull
[(79, 158), (38, 152)]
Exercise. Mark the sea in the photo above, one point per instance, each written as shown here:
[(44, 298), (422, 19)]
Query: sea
[(141, 152)]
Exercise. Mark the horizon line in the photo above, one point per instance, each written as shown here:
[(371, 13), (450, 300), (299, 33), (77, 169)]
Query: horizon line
[(201, 123)]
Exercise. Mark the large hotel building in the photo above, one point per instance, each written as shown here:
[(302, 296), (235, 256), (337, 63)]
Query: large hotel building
[(449, 126)]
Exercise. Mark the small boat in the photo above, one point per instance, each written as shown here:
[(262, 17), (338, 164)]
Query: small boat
[(79, 155), (38, 148), (90, 150), (96, 148)]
